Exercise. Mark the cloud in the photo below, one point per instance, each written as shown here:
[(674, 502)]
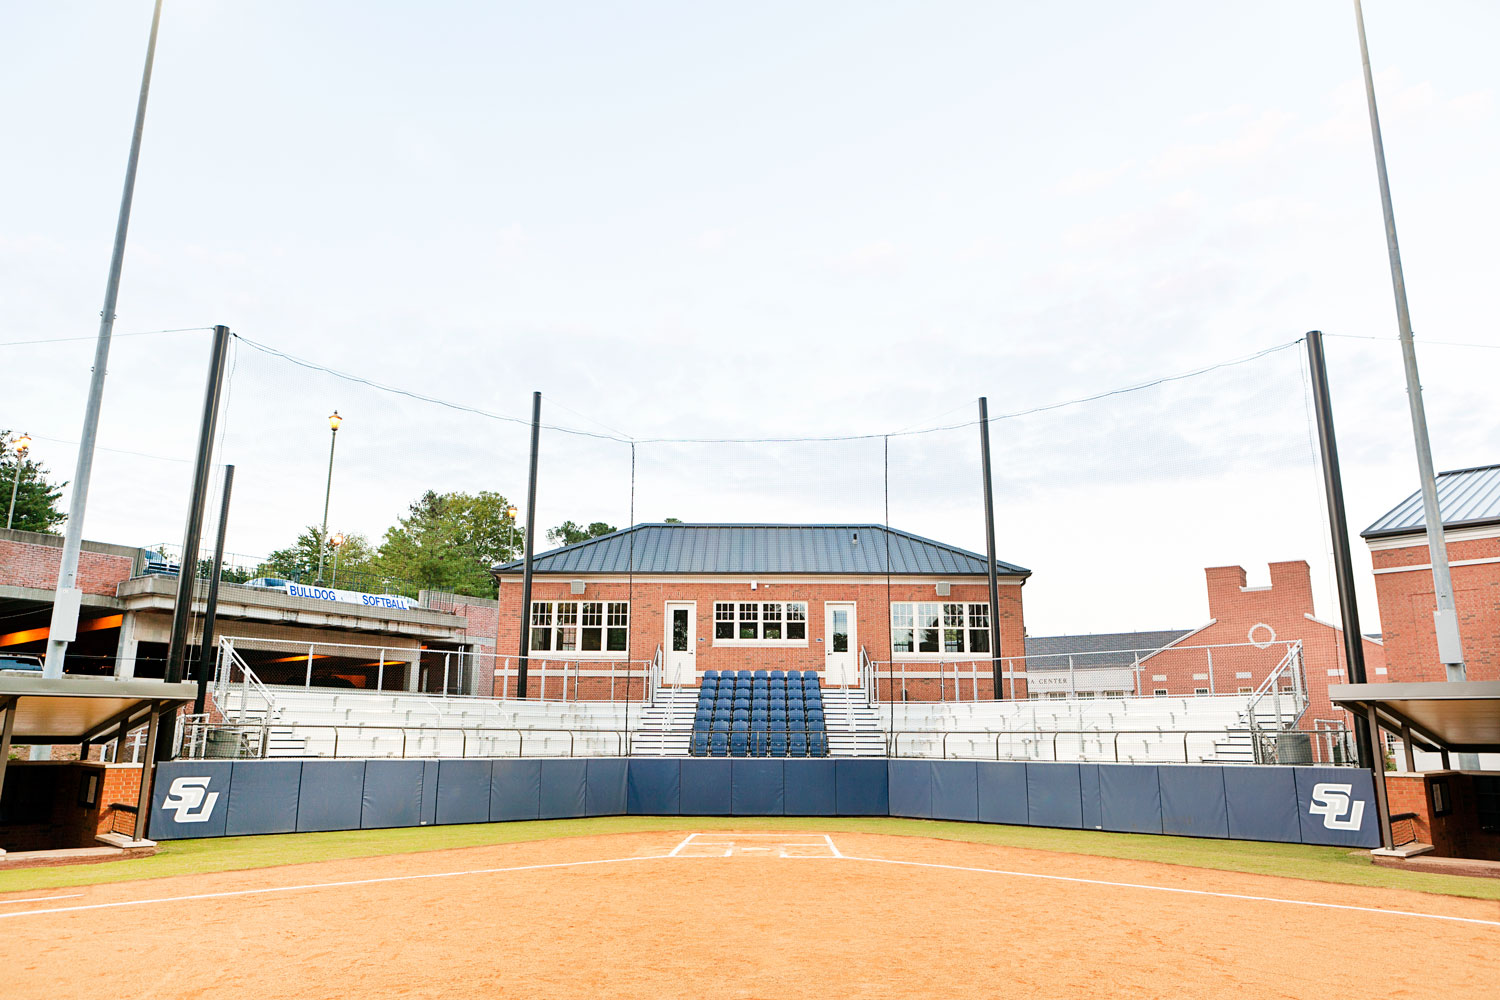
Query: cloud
[(879, 259), (1253, 140), (1089, 180)]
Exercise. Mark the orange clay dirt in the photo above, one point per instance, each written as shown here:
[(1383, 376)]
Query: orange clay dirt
[(780, 916)]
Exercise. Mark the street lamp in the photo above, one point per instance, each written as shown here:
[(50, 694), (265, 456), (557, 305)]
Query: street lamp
[(22, 445), (511, 513), (333, 424), (337, 541)]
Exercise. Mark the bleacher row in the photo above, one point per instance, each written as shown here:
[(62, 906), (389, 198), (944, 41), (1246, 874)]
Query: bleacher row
[(760, 713)]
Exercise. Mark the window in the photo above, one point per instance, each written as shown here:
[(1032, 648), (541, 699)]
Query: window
[(1487, 803), (1200, 690), (760, 621), (1159, 693), (1442, 803), (579, 626), (940, 627)]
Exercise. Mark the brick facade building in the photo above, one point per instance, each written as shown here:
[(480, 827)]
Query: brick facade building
[(1469, 503), (732, 597), (1247, 637)]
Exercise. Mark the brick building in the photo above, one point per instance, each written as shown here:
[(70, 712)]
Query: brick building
[(728, 597), (435, 642), (1247, 637), (1469, 504)]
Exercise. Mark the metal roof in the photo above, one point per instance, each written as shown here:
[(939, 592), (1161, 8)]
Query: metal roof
[(762, 548), (1100, 649), (1466, 497), (68, 708), (1456, 715)]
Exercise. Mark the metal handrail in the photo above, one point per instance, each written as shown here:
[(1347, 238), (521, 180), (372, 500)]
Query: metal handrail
[(1289, 663), (1051, 737), (621, 741)]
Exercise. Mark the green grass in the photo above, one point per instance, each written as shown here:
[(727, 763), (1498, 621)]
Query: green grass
[(191, 857)]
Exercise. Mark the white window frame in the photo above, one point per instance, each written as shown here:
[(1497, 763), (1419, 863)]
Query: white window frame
[(968, 626), (557, 618), (785, 617)]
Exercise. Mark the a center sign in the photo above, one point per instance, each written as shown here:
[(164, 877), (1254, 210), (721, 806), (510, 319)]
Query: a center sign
[(351, 597)]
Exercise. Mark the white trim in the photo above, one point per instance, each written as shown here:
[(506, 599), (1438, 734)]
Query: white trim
[(760, 622), (1418, 539), (1209, 624), (1423, 567)]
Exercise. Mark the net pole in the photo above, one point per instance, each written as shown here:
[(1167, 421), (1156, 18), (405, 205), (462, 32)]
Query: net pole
[(630, 598), (989, 547), (530, 540)]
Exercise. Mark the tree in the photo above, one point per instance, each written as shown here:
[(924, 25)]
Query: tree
[(671, 520), (449, 541), (36, 496), (299, 561), (569, 533)]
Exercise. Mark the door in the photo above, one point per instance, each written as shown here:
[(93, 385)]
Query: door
[(840, 644), (680, 664)]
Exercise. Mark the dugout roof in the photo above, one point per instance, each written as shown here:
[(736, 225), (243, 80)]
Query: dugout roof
[(1460, 716), (73, 709)]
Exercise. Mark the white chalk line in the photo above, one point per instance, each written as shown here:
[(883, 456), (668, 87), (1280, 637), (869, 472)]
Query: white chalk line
[(40, 899), (837, 855), (322, 885), (1186, 892)]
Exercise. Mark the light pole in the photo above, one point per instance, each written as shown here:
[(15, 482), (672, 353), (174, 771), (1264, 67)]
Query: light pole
[(22, 444), (511, 513), (337, 541), (333, 423)]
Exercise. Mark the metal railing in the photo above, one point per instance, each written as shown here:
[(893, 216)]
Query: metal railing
[(1290, 668), (1212, 670), (365, 740), (454, 673), (1121, 746)]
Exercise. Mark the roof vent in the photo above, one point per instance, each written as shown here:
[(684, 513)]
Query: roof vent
[(855, 539), (944, 588), (577, 586)]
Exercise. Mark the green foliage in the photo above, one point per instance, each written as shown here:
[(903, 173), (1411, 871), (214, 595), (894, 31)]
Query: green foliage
[(36, 496), (569, 533), (671, 520), (299, 561), (449, 541)]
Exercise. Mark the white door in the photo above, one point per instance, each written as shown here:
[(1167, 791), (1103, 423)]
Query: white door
[(681, 665), (840, 644)]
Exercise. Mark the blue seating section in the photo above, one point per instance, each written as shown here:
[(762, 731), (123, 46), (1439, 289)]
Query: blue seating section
[(759, 713)]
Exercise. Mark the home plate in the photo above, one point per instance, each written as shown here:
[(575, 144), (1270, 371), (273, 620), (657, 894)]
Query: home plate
[(756, 845)]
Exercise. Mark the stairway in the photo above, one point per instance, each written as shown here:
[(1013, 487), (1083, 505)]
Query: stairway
[(854, 727), (666, 725)]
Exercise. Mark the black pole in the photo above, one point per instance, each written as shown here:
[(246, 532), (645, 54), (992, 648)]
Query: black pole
[(1338, 526), (187, 573), (536, 431), (989, 545), (206, 644)]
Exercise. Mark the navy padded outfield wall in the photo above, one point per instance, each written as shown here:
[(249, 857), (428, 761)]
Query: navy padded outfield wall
[(1308, 805)]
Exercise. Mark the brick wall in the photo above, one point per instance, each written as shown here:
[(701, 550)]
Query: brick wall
[(31, 559), (648, 622), (1407, 601), (1454, 835), (42, 803), (1241, 615)]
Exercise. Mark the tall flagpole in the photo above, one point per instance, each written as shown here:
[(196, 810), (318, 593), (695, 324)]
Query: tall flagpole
[(1445, 617)]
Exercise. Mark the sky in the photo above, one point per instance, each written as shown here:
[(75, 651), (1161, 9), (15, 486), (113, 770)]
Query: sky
[(697, 221)]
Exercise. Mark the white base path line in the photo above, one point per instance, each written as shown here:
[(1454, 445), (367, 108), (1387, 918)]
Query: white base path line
[(1185, 892), (678, 849), (322, 885), (835, 850), (40, 899)]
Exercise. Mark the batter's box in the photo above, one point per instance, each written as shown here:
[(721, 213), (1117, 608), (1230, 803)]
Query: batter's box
[(756, 845)]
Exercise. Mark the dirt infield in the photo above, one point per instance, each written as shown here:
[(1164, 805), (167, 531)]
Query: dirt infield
[(743, 915)]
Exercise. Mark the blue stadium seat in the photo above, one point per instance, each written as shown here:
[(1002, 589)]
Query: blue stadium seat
[(759, 739), (817, 743), (743, 675), (741, 715), (815, 720), (797, 745), (700, 745), (719, 745), (796, 723), (739, 744), (721, 725), (777, 744), (777, 721), (777, 675), (760, 703), (711, 675), (763, 674)]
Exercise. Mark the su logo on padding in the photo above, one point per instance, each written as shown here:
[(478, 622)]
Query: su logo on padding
[(1333, 801), (191, 800)]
